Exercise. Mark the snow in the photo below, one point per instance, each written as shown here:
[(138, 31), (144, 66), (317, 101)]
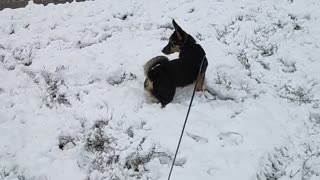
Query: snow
[(72, 103)]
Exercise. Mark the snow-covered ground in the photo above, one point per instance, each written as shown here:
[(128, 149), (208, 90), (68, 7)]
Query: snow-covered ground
[(72, 104)]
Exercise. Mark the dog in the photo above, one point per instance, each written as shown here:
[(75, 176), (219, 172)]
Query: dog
[(164, 76)]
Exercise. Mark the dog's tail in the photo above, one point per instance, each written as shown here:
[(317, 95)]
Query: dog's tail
[(152, 65)]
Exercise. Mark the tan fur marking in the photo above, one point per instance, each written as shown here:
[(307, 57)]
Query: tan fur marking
[(148, 85), (200, 85), (175, 49)]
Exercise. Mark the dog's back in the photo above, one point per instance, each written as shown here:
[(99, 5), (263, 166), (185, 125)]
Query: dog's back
[(185, 69)]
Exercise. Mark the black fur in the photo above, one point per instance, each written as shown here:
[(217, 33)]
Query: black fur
[(165, 76)]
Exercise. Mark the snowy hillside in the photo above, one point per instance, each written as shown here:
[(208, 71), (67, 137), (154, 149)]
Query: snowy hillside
[(73, 107)]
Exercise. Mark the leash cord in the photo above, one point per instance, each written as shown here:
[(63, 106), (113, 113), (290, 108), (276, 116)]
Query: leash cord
[(185, 121)]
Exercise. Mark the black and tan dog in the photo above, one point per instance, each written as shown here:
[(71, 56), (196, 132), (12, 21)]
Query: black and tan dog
[(163, 76)]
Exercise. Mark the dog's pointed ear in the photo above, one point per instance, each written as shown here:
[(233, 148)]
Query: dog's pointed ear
[(178, 29), (175, 25)]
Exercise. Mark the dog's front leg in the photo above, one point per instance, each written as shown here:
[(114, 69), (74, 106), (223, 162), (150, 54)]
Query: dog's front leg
[(200, 82)]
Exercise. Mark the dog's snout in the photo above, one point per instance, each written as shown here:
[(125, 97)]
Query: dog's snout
[(163, 51), (166, 50)]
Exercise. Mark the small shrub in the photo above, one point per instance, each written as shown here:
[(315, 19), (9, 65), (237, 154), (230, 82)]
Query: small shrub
[(299, 94), (65, 141), (55, 88)]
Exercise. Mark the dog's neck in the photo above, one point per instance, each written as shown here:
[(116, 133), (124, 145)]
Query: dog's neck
[(188, 44), (188, 41), (191, 48)]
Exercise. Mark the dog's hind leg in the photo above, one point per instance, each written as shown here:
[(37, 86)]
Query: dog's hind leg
[(164, 90), (148, 85)]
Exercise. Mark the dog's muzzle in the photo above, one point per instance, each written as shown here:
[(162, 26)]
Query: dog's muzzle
[(166, 50)]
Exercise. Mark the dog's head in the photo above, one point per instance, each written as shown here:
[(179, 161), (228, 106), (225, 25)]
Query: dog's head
[(178, 39)]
